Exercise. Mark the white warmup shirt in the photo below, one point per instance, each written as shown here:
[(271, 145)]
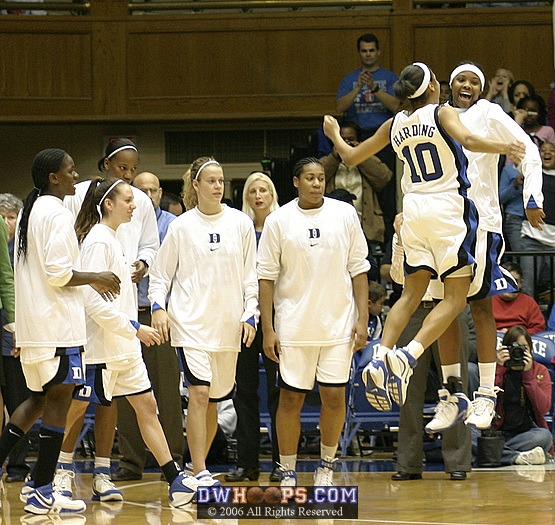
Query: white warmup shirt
[(488, 120), (312, 256), (48, 314), (110, 334), (209, 263)]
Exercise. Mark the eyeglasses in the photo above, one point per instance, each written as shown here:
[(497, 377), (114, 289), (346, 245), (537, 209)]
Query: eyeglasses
[(150, 191)]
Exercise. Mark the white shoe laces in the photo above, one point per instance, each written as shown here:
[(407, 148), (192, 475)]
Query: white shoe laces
[(63, 480)]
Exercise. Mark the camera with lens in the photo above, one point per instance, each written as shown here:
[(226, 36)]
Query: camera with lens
[(516, 356)]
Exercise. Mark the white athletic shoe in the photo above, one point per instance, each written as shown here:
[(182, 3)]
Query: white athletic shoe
[(375, 377), (63, 482), (483, 408), (104, 488), (323, 476), (182, 490), (536, 456), (400, 363), (450, 409), (287, 478), (46, 500)]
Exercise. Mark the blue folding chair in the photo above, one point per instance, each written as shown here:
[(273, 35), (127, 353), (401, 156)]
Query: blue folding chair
[(359, 411)]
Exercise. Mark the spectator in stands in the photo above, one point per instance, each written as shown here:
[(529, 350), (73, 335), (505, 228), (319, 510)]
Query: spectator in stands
[(363, 182), (518, 90), (444, 91), (376, 299), (259, 200), (544, 239), (15, 390), (172, 203), (366, 94), (510, 196), (498, 91), (524, 397), (517, 308), (531, 114), (366, 97)]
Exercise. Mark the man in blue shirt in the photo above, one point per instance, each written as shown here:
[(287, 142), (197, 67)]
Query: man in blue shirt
[(365, 95), (163, 370)]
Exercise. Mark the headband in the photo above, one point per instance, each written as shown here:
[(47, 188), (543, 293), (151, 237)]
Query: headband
[(468, 67), (207, 163), (116, 151), (425, 81), (108, 191)]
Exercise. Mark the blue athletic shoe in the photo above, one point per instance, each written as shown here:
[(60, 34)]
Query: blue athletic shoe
[(375, 376), (46, 500), (183, 490), (26, 489), (400, 364)]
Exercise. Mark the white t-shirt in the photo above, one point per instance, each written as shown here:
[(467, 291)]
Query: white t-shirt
[(209, 262), (48, 313), (110, 335), (312, 256), (488, 120)]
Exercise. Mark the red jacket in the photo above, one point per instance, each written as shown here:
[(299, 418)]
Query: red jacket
[(523, 311), (537, 385)]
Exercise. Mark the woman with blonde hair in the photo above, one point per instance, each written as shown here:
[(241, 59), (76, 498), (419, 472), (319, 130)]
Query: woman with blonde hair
[(259, 200), (207, 263)]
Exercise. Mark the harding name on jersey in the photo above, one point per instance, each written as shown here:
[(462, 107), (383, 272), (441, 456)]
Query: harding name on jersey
[(416, 130)]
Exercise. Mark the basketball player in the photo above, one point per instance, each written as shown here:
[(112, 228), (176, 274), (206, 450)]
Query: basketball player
[(490, 121), (428, 139), (50, 326), (207, 263), (312, 269)]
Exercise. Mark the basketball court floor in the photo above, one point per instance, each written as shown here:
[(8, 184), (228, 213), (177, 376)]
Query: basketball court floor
[(503, 496)]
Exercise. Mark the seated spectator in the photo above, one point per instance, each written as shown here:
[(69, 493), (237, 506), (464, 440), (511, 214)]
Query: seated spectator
[(543, 240), (518, 90), (343, 195), (510, 196), (376, 300), (363, 181), (523, 399), (444, 91), (517, 308), (498, 91), (531, 114), (551, 321)]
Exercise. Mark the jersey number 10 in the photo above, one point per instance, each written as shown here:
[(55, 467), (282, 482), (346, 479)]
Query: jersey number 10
[(419, 171)]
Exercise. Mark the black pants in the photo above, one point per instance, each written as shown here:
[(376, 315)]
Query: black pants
[(15, 392), (246, 404)]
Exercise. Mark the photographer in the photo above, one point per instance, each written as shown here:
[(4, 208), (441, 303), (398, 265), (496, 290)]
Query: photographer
[(363, 181), (524, 398)]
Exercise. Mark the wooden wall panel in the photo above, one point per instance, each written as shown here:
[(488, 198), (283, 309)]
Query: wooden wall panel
[(113, 67)]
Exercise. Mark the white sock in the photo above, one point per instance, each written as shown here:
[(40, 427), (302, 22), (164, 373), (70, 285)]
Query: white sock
[(448, 371), (66, 458), (415, 349), (327, 453), (101, 462), (288, 462), (487, 374), (382, 350)]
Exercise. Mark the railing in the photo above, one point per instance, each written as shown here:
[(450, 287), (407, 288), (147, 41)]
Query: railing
[(545, 295), (200, 6)]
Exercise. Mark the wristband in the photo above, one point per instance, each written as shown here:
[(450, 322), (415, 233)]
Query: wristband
[(375, 90)]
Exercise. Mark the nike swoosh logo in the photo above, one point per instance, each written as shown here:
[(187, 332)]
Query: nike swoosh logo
[(44, 437), (12, 432)]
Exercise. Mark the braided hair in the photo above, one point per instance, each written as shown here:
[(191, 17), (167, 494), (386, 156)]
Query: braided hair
[(46, 162)]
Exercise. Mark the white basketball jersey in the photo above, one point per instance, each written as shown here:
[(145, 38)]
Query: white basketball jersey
[(433, 161)]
